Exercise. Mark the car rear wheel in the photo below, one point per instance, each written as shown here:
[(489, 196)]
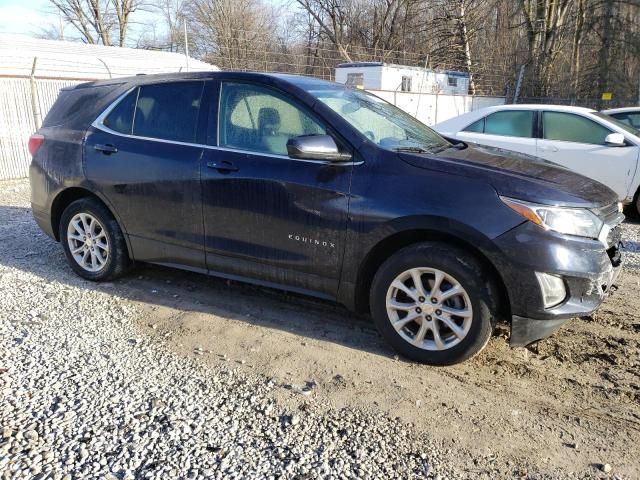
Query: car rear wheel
[(433, 304), (92, 241)]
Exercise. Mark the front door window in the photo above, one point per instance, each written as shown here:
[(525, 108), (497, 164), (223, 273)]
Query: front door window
[(261, 120)]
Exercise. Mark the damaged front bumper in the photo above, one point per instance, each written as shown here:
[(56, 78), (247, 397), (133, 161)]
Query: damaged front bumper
[(528, 330), (588, 270)]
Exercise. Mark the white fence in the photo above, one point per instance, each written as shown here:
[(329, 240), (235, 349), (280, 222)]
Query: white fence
[(17, 120), (434, 108), (17, 116)]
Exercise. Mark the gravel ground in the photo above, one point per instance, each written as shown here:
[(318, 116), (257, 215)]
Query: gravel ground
[(87, 393), (84, 396)]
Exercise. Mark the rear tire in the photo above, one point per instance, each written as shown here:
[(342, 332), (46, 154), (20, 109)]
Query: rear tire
[(92, 241), (448, 317)]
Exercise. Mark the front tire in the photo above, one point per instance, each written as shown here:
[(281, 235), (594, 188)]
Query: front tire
[(92, 241), (434, 303)]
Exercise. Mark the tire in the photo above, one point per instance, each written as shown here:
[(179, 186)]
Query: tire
[(470, 313), (103, 249)]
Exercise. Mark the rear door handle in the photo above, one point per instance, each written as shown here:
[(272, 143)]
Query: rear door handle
[(223, 166), (107, 149)]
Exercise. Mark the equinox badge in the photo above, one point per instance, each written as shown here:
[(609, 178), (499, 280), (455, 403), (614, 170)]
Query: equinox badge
[(311, 241)]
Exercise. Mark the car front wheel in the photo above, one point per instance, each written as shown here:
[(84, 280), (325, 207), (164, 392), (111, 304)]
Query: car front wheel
[(434, 303), (92, 241)]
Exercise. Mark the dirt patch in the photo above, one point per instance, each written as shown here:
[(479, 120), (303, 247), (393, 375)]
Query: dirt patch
[(569, 404)]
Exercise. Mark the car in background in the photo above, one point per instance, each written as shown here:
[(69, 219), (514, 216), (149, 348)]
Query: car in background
[(628, 115), (584, 140)]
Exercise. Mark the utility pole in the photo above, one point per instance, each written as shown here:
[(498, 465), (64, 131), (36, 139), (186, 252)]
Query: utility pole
[(61, 31), (519, 84), (186, 44)]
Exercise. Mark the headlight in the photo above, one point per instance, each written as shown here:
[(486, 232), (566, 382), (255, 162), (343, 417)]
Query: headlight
[(570, 221)]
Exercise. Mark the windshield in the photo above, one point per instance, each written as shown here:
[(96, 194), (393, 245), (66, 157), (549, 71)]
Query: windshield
[(626, 127), (382, 123)]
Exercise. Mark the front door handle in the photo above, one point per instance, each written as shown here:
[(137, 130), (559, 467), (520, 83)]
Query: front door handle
[(223, 166), (107, 149)]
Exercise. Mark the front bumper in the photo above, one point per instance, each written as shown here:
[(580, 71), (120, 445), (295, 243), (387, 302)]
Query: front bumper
[(528, 330), (587, 267)]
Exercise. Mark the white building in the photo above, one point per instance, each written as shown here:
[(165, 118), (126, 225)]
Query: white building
[(32, 72), (401, 78)]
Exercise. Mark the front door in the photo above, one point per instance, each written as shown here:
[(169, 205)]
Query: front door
[(267, 216), (143, 159), (578, 143)]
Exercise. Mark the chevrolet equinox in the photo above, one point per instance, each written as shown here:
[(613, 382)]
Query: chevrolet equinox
[(314, 187)]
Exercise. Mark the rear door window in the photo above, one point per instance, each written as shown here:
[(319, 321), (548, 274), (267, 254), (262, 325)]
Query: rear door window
[(168, 111), (512, 123), (569, 127)]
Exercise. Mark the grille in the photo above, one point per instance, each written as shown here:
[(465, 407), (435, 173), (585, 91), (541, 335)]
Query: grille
[(615, 236), (610, 214)]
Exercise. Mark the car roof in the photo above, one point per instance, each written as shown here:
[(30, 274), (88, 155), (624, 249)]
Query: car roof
[(621, 110), (303, 82), (539, 106)]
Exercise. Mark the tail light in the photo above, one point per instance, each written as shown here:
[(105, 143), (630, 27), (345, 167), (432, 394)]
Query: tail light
[(35, 142)]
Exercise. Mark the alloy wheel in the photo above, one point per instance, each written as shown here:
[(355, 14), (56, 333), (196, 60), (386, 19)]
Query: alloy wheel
[(88, 242), (429, 308)]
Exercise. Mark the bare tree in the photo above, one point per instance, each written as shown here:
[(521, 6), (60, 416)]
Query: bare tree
[(545, 22), (99, 21), (332, 18), (234, 33)]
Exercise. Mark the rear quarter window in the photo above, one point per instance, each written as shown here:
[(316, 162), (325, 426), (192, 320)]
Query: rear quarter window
[(510, 123), (120, 119)]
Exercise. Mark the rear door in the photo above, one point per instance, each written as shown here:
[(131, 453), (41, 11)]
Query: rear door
[(143, 157), (578, 143), (508, 129), (267, 216)]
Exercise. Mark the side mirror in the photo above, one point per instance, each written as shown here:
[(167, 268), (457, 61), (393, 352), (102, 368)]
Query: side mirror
[(316, 147), (615, 140)]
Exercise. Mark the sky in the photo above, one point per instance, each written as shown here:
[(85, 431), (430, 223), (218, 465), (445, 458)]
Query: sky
[(23, 16), (29, 17)]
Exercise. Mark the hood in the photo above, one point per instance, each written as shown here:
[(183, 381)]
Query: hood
[(518, 175)]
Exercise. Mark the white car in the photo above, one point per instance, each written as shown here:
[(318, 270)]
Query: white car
[(628, 115), (584, 140)]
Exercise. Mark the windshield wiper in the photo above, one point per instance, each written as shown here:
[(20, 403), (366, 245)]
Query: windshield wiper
[(411, 149), (456, 146)]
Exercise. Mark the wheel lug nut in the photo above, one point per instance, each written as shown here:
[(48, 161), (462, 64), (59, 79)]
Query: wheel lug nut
[(434, 300), (418, 310), (421, 299), (438, 312), (429, 318)]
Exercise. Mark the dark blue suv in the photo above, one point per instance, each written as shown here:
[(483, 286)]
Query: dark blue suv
[(315, 187)]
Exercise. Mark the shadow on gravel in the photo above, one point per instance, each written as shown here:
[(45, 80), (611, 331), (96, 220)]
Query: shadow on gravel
[(25, 247)]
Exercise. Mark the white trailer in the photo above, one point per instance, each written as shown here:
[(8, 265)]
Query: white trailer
[(402, 78)]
